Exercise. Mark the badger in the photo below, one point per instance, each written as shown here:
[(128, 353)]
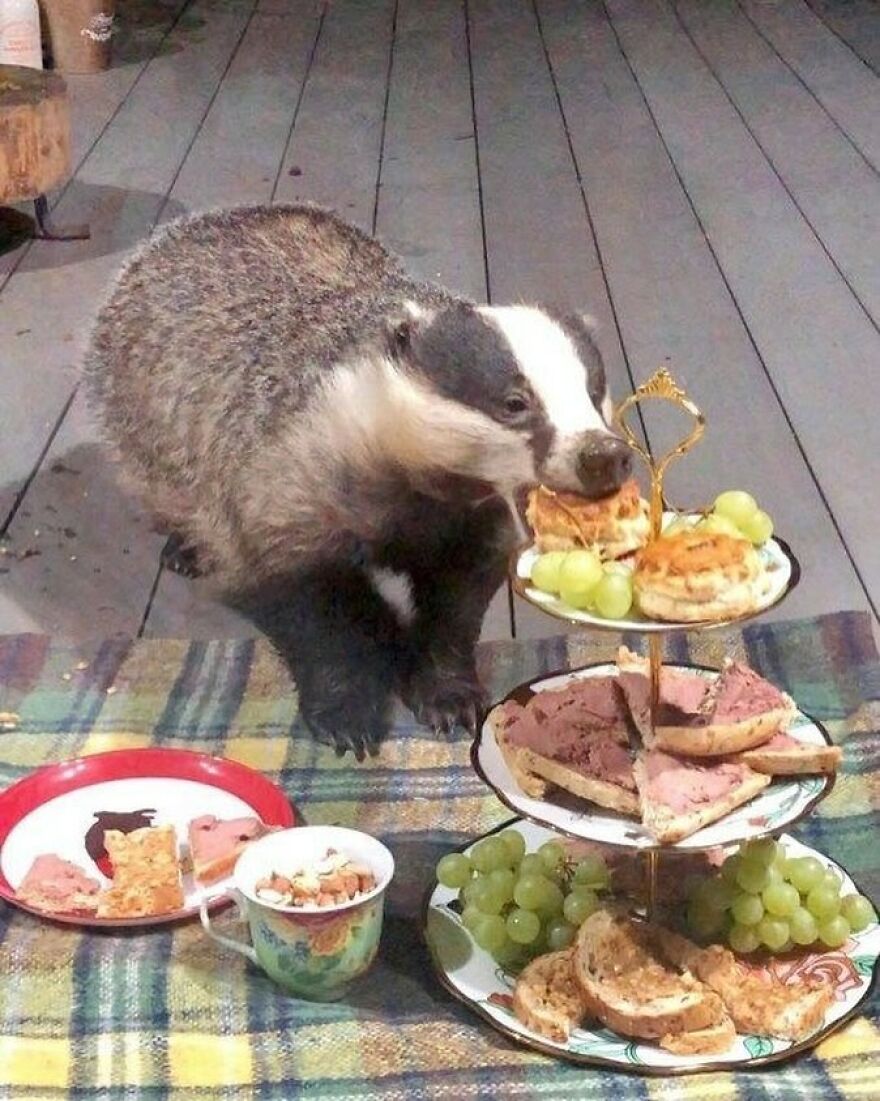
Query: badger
[(298, 414)]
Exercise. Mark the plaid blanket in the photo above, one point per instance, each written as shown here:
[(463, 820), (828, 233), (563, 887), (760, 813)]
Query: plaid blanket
[(165, 1015)]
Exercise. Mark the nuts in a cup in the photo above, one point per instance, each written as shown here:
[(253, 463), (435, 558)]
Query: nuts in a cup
[(333, 880)]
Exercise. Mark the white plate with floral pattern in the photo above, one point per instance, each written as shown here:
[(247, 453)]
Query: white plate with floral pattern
[(783, 802), (474, 978)]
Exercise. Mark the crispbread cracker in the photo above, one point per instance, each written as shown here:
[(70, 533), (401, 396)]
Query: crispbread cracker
[(146, 874)]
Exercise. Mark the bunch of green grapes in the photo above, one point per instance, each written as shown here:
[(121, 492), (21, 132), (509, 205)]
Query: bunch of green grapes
[(764, 898), (581, 580), (517, 905), (735, 513)]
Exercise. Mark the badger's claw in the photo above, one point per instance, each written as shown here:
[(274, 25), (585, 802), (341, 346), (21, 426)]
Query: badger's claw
[(442, 700), (358, 739), (179, 557)]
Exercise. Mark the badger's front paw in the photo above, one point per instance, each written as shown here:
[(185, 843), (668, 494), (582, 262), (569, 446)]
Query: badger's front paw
[(345, 728), (443, 698)]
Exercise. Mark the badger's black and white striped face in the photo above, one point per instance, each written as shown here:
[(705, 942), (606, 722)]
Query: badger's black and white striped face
[(532, 385)]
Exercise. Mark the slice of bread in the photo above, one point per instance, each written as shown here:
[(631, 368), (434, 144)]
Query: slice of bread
[(215, 844), (702, 1041), (631, 988), (669, 823), (601, 792), (529, 783), (546, 997), (146, 874), (793, 760)]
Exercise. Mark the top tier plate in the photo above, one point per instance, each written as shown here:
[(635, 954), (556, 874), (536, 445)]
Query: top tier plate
[(783, 568)]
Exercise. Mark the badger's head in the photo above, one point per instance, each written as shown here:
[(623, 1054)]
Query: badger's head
[(510, 396)]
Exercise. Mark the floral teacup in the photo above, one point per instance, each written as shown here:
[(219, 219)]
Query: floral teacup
[(312, 953)]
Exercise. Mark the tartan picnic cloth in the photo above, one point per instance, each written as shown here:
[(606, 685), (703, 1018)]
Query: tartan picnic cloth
[(164, 1014)]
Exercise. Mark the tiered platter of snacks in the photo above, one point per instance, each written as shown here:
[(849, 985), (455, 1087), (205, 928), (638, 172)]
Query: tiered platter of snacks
[(576, 937)]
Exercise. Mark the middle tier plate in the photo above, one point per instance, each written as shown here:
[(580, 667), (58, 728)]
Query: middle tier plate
[(777, 807)]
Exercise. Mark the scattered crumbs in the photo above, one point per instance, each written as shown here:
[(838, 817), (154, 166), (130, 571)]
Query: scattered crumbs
[(28, 552), (294, 170), (69, 532), (4, 549), (125, 550), (21, 332), (73, 558), (51, 508), (67, 676), (67, 338), (37, 532), (80, 665), (111, 690), (58, 467)]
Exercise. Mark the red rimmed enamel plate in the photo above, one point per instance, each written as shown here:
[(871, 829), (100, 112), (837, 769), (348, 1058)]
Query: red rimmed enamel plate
[(63, 809)]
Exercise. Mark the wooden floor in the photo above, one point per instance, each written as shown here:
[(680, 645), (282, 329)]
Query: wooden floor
[(702, 176)]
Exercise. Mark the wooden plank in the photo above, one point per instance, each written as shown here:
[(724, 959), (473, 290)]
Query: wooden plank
[(333, 155), (538, 236), (120, 190), (813, 337), (841, 83), (855, 22), (429, 205), (833, 187), (95, 100), (234, 162), (674, 305)]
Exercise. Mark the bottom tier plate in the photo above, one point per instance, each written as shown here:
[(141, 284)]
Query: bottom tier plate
[(472, 976)]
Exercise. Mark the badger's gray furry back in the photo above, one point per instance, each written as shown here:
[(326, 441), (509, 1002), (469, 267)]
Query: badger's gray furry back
[(273, 383)]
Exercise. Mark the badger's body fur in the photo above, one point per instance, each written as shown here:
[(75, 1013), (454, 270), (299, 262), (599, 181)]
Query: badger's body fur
[(294, 409)]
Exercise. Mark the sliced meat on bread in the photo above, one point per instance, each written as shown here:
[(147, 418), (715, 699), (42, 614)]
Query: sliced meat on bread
[(500, 719), (680, 796), (579, 782), (546, 997), (784, 755), (790, 1010), (702, 1041), (215, 844), (56, 886), (630, 987), (698, 717)]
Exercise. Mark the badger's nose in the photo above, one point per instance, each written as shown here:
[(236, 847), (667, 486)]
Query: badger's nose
[(603, 465)]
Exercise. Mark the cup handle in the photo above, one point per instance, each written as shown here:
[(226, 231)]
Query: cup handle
[(228, 942)]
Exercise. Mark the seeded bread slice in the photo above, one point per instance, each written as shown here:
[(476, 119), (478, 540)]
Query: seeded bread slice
[(601, 792), (800, 760), (546, 997)]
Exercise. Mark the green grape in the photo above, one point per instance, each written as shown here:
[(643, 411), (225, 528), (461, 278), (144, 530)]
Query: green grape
[(531, 864), (467, 895), (758, 529), (523, 926), (858, 911), (552, 856), (715, 894), (736, 505), (834, 932), (743, 938), (773, 932), (578, 577), (613, 596), (730, 869), (781, 899), (832, 880), (515, 843), (763, 852), (559, 935), (802, 926), (823, 902), (510, 957), (454, 870), (775, 875), (487, 897), (722, 525), (470, 917), (491, 933), (591, 871), (752, 877), (545, 571), (705, 922), (747, 909), (578, 906), (805, 873), (502, 881), (552, 899), (493, 854), (528, 891)]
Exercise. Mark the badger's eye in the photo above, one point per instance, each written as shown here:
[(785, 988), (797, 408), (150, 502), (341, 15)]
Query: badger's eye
[(515, 404)]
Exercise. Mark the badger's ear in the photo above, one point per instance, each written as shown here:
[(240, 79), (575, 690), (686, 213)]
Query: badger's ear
[(403, 327)]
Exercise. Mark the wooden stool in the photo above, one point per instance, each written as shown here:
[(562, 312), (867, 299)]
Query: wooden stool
[(35, 143)]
